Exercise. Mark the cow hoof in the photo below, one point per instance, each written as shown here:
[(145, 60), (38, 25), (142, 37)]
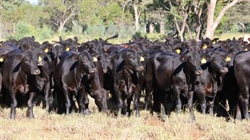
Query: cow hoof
[(87, 112)]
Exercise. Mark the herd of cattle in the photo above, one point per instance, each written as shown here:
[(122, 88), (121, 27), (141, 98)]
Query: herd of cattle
[(169, 74)]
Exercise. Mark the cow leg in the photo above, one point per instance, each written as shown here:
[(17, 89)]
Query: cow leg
[(60, 101), (177, 94), (31, 103), (137, 103), (13, 104), (190, 104), (244, 100), (118, 95), (48, 97), (211, 106), (237, 111), (80, 101), (128, 106), (67, 100), (156, 103), (149, 85), (202, 100), (86, 103)]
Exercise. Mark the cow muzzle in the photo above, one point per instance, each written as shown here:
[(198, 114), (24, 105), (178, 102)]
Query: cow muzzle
[(92, 70), (224, 70), (139, 68), (198, 72), (37, 72)]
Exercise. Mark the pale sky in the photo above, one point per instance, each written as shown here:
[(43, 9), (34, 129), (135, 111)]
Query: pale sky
[(33, 1)]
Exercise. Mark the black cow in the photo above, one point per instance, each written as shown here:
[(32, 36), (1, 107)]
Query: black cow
[(210, 82), (19, 68), (44, 79), (167, 73), (242, 74), (126, 69), (69, 79)]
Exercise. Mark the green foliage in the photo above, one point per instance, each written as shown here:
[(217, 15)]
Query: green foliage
[(95, 30), (24, 30), (102, 18), (44, 33), (221, 27), (137, 35)]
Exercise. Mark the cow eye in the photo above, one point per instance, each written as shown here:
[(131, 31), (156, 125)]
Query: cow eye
[(190, 60)]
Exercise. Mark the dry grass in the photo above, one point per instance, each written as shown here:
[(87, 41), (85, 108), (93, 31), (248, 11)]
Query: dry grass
[(100, 126)]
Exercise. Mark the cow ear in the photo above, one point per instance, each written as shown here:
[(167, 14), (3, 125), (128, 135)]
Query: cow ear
[(41, 57), (2, 58)]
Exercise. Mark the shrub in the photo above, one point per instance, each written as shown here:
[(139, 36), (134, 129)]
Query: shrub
[(24, 30)]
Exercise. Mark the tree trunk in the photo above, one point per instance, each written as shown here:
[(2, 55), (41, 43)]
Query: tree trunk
[(211, 24), (136, 15), (60, 27), (151, 28), (1, 25), (162, 27)]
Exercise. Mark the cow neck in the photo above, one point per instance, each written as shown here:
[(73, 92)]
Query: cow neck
[(24, 78), (127, 72), (190, 74), (95, 82), (213, 78), (79, 73), (217, 76), (99, 71)]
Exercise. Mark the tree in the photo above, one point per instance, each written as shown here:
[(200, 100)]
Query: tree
[(187, 16), (213, 24), (11, 13), (239, 17), (139, 6), (1, 21), (59, 12)]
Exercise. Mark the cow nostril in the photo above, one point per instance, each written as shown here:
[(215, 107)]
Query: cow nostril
[(37, 72), (92, 70), (198, 72), (224, 69)]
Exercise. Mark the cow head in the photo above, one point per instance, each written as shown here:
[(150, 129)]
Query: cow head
[(219, 62), (192, 60), (85, 62), (29, 62), (104, 60), (101, 97), (132, 61)]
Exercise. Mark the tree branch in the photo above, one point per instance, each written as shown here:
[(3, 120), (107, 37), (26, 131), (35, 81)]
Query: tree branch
[(124, 5), (222, 12)]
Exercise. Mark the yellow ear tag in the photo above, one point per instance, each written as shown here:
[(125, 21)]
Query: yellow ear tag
[(94, 59), (213, 42), (1, 59), (46, 50), (203, 61), (204, 47), (246, 49), (228, 59), (178, 51), (40, 59), (67, 49), (142, 58)]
